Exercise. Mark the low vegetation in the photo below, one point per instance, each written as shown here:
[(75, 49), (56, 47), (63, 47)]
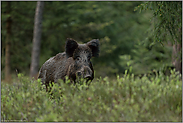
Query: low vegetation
[(126, 98)]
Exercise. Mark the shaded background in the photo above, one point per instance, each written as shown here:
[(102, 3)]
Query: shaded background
[(127, 36)]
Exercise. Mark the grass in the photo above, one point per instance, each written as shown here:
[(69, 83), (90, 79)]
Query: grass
[(149, 99)]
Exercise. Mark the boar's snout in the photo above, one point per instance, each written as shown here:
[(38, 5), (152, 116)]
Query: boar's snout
[(85, 73), (88, 77)]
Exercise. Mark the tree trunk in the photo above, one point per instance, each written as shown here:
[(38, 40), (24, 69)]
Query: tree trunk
[(36, 40), (177, 52), (8, 42), (177, 56)]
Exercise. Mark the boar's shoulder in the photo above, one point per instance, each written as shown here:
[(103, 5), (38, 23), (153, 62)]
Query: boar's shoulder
[(51, 66), (59, 56)]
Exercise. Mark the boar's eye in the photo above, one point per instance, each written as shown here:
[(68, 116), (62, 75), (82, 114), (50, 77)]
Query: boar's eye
[(78, 58)]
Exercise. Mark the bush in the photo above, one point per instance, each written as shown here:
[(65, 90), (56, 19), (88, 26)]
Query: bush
[(123, 99)]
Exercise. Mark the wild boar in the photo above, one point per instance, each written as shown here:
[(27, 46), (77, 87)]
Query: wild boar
[(74, 62)]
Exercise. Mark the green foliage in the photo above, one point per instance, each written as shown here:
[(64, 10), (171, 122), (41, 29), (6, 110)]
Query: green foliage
[(147, 56), (125, 98), (155, 51), (167, 19)]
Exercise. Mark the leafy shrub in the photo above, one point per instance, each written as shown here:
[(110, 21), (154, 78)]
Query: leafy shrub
[(122, 99)]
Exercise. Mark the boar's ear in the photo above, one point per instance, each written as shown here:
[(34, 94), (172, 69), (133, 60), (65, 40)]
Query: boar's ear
[(94, 46), (70, 46)]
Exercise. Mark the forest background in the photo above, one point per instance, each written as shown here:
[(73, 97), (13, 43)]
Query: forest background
[(140, 44), (144, 35)]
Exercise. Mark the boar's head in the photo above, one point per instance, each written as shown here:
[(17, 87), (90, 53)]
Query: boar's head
[(80, 55)]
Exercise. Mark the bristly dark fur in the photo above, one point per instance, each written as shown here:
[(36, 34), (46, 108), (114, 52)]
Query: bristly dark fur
[(75, 61)]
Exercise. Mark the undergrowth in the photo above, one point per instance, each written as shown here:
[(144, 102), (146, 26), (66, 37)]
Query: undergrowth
[(124, 99)]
